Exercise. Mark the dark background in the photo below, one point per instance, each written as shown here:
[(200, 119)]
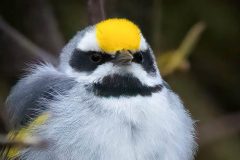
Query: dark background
[(210, 88)]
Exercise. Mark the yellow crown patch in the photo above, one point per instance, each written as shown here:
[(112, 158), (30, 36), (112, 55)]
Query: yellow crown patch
[(118, 34)]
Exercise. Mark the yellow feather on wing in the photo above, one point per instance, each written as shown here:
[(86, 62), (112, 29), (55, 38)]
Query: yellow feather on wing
[(22, 135)]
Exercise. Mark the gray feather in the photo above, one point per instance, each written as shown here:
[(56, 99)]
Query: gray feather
[(70, 46), (28, 97)]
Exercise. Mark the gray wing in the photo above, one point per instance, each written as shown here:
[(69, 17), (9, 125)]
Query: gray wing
[(24, 102)]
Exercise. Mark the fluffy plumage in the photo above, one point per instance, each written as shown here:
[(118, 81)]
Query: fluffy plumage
[(145, 121)]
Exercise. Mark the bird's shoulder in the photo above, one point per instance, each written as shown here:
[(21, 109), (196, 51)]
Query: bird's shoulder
[(30, 95)]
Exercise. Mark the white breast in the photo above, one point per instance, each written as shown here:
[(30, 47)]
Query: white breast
[(86, 127)]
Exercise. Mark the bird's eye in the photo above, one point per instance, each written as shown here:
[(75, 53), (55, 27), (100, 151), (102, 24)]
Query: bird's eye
[(138, 57), (96, 57)]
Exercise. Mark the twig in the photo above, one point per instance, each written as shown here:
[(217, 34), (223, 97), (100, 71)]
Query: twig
[(96, 11), (4, 125), (156, 24), (41, 25), (27, 45), (177, 59), (191, 39)]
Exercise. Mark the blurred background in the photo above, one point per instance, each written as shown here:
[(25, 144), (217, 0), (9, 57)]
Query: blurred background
[(197, 45)]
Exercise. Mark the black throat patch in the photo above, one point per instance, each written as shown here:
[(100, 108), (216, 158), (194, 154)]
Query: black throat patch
[(122, 85)]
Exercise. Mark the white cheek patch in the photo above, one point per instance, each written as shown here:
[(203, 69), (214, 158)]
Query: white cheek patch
[(143, 44), (138, 71), (109, 69), (85, 77), (89, 42)]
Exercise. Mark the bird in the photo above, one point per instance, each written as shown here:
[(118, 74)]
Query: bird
[(105, 100)]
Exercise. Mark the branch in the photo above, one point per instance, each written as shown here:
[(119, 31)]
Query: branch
[(30, 49), (96, 12), (177, 59), (4, 128), (191, 39), (156, 24), (41, 25)]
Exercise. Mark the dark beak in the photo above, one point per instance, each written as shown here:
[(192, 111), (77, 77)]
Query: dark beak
[(123, 58)]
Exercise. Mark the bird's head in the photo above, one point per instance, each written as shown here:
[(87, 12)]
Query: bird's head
[(112, 56)]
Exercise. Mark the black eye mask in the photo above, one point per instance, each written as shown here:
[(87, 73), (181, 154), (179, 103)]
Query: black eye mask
[(88, 61)]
